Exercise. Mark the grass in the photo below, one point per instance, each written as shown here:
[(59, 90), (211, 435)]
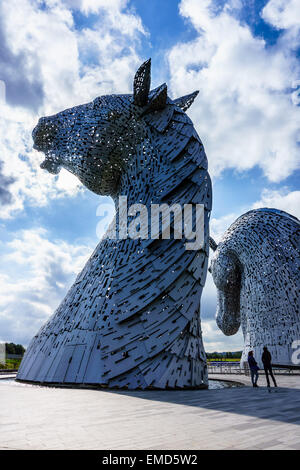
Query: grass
[(237, 359), (11, 364), (15, 363)]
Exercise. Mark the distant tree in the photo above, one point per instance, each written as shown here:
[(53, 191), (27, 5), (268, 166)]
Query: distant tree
[(224, 355), (12, 348), (237, 354), (19, 349)]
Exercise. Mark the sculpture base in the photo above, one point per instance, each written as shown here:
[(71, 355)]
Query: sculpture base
[(105, 387)]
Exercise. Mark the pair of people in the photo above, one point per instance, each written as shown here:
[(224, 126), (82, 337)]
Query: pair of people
[(266, 360)]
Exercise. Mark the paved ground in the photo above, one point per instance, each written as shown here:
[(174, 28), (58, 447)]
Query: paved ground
[(283, 381), (33, 417)]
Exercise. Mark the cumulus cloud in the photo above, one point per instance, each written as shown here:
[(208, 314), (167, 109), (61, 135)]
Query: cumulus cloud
[(51, 43), (219, 225), (21, 178), (22, 88), (5, 182), (38, 273), (94, 6), (214, 339), (244, 112), (282, 13), (48, 65), (283, 199)]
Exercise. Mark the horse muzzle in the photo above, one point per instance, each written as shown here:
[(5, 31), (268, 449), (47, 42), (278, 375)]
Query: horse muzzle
[(51, 166)]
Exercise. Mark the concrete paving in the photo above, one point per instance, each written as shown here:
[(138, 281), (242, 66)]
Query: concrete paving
[(33, 417), (285, 381)]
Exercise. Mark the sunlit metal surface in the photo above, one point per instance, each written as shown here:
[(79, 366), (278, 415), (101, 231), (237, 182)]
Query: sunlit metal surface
[(132, 317), (256, 271)]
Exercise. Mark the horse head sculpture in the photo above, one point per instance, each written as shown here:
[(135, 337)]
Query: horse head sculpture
[(256, 271), (132, 317), (98, 140)]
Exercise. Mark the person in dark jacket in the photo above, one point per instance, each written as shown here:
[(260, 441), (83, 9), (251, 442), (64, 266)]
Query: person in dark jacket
[(266, 360), (253, 368)]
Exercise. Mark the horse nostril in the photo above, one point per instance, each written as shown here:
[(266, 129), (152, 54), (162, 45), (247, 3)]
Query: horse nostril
[(35, 132), (50, 166), (43, 134)]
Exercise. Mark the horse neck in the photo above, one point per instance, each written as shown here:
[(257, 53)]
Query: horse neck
[(150, 164), (136, 183), (147, 169)]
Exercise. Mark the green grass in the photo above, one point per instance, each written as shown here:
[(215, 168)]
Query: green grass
[(224, 359), (11, 364), (15, 363)]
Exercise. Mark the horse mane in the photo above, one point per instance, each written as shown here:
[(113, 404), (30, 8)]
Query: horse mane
[(263, 227)]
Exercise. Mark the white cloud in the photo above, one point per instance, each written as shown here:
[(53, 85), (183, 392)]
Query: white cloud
[(214, 339), (243, 113), (53, 46), (219, 225), (94, 6), (50, 49), (282, 13), (2, 93), (31, 183), (283, 199), (38, 273)]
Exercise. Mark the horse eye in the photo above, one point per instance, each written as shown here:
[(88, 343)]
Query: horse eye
[(113, 115)]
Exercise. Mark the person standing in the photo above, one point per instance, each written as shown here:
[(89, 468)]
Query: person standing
[(266, 360), (253, 368)]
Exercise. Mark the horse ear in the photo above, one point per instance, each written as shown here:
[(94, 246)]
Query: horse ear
[(157, 99), (185, 101), (141, 84), (213, 245)]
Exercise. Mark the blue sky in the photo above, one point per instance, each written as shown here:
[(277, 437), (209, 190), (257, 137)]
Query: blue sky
[(242, 55)]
